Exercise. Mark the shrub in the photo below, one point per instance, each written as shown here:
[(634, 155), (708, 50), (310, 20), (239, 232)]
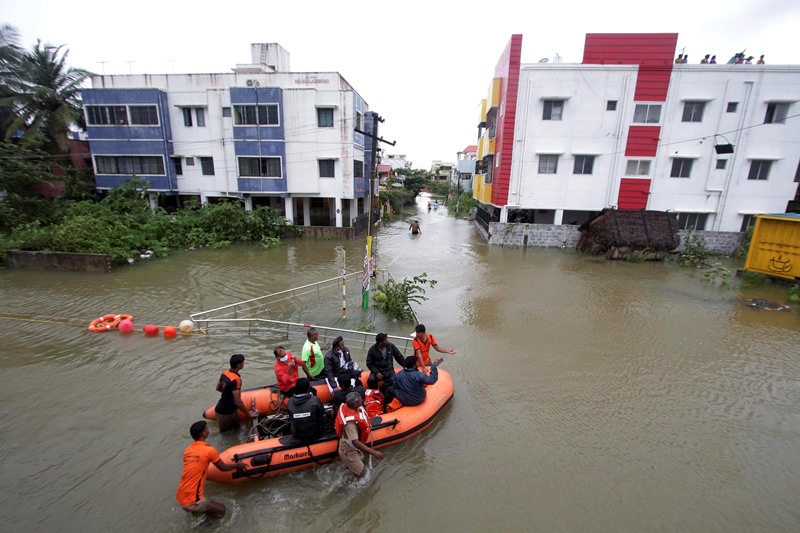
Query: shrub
[(395, 298), (695, 251)]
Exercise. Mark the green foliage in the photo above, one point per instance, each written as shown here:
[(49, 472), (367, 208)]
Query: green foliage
[(744, 247), (465, 203), (414, 180), (695, 251), (717, 272), (794, 293), (395, 299), (639, 256), (753, 279), (397, 198)]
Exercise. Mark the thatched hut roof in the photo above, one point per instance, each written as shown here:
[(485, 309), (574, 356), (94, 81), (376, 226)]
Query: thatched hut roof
[(654, 230)]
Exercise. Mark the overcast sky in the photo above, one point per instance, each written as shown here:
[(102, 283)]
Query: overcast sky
[(423, 66)]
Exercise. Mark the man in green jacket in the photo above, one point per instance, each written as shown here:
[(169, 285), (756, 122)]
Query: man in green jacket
[(314, 356)]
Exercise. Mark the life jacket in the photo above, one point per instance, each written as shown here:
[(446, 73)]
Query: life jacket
[(373, 402), (360, 417)]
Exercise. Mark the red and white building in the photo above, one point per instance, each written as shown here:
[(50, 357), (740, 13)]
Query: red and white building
[(628, 128)]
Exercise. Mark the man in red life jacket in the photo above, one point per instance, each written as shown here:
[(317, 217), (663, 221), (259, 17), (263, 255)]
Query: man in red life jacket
[(230, 402), (422, 344), (196, 459), (287, 370), (352, 426)]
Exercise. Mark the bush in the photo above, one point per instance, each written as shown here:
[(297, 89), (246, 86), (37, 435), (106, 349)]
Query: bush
[(395, 298), (695, 251)]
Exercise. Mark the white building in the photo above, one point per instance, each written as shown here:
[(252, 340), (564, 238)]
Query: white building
[(629, 128), (262, 134)]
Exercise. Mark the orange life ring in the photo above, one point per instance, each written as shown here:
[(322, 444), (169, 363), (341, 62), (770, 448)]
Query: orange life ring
[(107, 322)]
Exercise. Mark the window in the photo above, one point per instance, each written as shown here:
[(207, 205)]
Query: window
[(681, 168), (201, 117), (208, 165), (190, 161), (611, 105), (721, 164), (583, 164), (261, 115), (129, 165), (226, 112), (548, 163), (358, 120), (695, 221), (187, 116), (107, 115), (260, 167), (647, 113), (553, 109), (176, 164), (776, 113), (747, 221), (326, 168), (759, 169), (693, 111), (144, 115), (358, 169), (732, 106), (325, 117), (636, 167)]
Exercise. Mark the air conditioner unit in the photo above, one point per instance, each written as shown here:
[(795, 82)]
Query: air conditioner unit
[(250, 83)]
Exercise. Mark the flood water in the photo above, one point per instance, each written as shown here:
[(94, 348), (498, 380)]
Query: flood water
[(589, 395)]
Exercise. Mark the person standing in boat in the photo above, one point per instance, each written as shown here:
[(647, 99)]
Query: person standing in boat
[(422, 343), (230, 401), (354, 431), (415, 229), (409, 385), (306, 413), (287, 370), (196, 459), (338, 361), (314, 356), (380, 364)]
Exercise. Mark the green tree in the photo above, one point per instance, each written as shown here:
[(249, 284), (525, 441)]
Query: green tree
[(10, 54), (45, 100), (415, 179)]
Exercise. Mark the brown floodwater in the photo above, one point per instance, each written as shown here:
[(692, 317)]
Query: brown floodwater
[(589, 395)]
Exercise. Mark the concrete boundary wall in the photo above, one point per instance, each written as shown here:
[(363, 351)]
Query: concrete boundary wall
[(28, 260), (551, 235)]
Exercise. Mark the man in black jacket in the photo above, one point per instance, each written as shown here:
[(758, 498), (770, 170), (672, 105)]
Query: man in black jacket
[(380, 364), (338, 362), (306, 413)]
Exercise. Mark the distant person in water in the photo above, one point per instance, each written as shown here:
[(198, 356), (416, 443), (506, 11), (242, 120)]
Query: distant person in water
[(429, 205), (414, 227)]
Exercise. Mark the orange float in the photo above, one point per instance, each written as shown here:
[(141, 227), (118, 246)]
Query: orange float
[(107, 322), (272, 456)]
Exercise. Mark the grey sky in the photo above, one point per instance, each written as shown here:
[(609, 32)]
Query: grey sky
[(423, 65)]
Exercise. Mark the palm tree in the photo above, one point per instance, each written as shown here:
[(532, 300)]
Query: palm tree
[(46, 100), (10, 54)]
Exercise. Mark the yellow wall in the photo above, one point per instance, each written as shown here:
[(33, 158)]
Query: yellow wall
[(481, 191), (494, 93), (775, 247)]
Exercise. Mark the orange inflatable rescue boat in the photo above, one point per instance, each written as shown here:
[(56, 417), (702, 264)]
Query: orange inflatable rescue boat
[(280, 454)]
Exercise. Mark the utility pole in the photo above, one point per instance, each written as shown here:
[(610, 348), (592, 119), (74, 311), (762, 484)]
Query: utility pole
[(373, 173)]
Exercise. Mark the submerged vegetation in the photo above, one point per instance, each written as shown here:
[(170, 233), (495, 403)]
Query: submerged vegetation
[(395, 299)]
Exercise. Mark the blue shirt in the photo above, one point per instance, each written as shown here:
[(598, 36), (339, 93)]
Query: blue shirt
[(409, 385)]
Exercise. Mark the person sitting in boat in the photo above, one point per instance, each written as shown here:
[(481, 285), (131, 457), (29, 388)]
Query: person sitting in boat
[(380, 364), (230, 401), (287, 370), (353, 428), (338, 361), (347, 384), (374, 401), (196, 459), (414, 227), (306, 413), (409, 385), (313, 356)]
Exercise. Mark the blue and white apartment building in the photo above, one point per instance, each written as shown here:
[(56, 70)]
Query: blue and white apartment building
[(262, 134)]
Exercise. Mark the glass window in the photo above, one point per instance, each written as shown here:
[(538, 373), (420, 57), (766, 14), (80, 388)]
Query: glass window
[(732, 106), (226, 112), (130, 165), (358, 120), (647, 113), (201, 117), (776, 113), (207, 163), (748, 221), (264, 167), (325, 117), (681, 168), (583, 164), (267, 115), (636, 167), (176, 164), (694, 221), (611, 105), (553, 109), (548, 163), (759, 169), (327, 168), (358, 169), (190, 161), (144, 115), (187, 116), (721, 164), (103, 115), (693, 111)]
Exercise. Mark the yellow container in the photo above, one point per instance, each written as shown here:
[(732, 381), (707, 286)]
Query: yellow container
[(775, 248)]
